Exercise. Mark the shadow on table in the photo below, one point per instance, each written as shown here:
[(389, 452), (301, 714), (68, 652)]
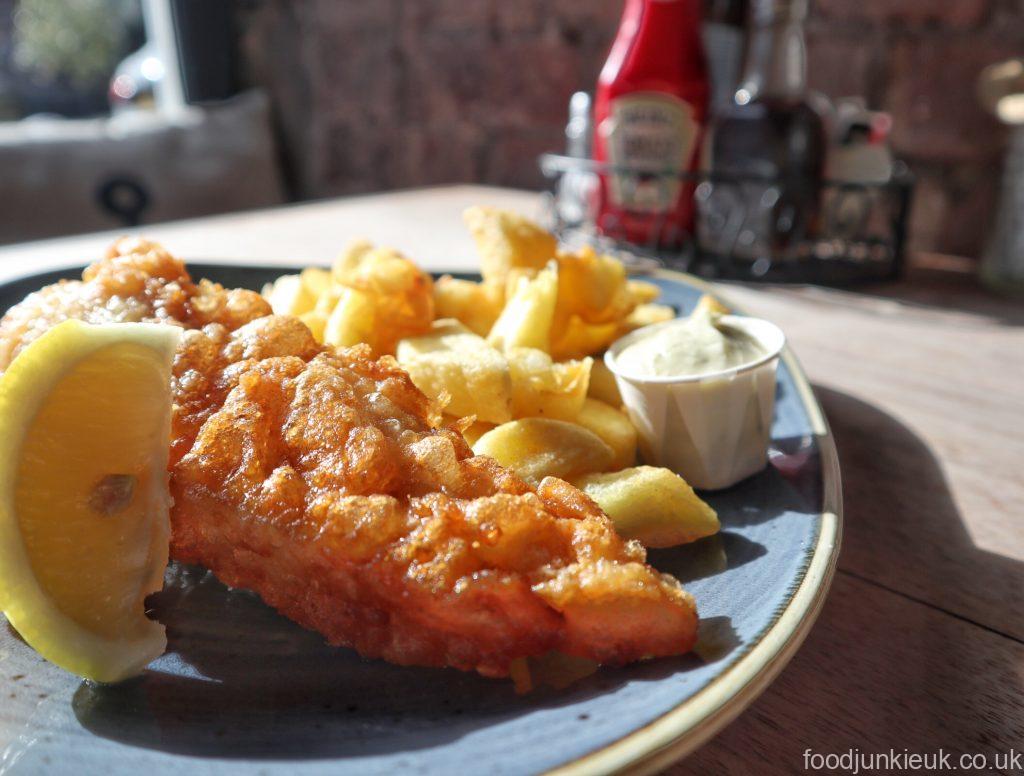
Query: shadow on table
[(904, 529), (880, 670)]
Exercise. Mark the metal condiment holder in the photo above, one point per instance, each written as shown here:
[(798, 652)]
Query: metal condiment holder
[(858, 234)]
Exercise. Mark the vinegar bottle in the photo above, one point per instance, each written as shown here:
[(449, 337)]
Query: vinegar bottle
[(772, 132), (650, 109)]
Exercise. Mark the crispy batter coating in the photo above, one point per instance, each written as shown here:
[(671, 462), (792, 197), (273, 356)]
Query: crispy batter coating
[(321, 479), (137, 281)]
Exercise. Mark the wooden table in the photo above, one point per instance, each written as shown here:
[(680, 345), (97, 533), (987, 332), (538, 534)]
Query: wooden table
[(921, 644)]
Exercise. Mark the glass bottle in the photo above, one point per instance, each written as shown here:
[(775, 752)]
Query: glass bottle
[(1002, 266), (1001, 90), (650, 109), (722, 35), (766, 148), (575, 189)]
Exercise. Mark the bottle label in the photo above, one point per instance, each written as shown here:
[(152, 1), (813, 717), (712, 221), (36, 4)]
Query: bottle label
[(652, 133)]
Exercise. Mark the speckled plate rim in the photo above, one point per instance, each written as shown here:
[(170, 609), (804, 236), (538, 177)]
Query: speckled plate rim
[(691, 724)]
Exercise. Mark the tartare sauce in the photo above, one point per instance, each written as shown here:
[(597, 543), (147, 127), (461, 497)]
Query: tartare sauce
[(687, 347)]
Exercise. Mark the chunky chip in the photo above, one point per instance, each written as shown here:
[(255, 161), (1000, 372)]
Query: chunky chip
[(536, 448), (506, 240), (645, 315), (642, 292), (477, 305), (546, 389), (614, 427), (593, 287), (575, 338), (381, 298), (602, 384), (526, 320), (289, 296), (653, 505), (317, 323), (316, 281), (476, 430), (451, 360), (711, 304), (353, 320)]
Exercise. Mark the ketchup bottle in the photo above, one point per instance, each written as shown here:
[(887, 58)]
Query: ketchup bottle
[(650, 110)]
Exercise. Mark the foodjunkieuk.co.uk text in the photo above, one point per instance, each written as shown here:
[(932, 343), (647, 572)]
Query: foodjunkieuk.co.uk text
[(854, 761)]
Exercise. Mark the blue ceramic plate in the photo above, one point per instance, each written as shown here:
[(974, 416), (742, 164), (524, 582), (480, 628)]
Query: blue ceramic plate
[(243, 690)]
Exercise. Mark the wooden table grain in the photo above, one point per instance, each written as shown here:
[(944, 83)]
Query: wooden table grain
[(920, 647)]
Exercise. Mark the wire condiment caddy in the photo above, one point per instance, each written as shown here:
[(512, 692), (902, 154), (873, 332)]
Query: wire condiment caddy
[(745, 227)]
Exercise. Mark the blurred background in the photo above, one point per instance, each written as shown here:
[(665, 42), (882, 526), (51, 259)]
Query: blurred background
[(284, 100)]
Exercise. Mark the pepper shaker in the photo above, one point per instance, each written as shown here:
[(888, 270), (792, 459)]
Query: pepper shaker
[(1001, 90)]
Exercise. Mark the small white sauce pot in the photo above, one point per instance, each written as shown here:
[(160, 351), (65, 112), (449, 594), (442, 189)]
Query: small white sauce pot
[(712, 429)]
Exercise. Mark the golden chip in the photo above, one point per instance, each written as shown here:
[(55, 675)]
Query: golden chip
[(653, 505), (545, 389), (451, 360), (576, 338), (593, 287), (526, 320), (602, 384), (535, 448), (477, 305), (645, 315), (614, 427), (505, 239)]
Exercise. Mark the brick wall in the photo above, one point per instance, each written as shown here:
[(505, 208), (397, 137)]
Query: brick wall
[(378, 94)]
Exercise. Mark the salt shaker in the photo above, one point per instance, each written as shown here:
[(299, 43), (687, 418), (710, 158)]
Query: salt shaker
[(1001, 90)]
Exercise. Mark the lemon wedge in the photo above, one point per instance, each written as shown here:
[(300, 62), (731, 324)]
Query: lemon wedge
[(84, 432)]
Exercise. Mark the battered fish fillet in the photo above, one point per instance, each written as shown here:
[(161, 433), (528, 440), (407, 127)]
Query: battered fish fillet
[(320, 479)]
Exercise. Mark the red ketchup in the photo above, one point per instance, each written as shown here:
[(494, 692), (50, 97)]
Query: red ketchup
[(650, 111)]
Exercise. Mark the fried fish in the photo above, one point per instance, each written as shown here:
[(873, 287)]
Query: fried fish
[(324, 480)]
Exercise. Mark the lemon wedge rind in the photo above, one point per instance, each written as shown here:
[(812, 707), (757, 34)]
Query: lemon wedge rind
[(27, 605)]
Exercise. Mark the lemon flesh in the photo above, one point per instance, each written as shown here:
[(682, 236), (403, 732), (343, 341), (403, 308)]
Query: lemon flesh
[(84, 435)]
